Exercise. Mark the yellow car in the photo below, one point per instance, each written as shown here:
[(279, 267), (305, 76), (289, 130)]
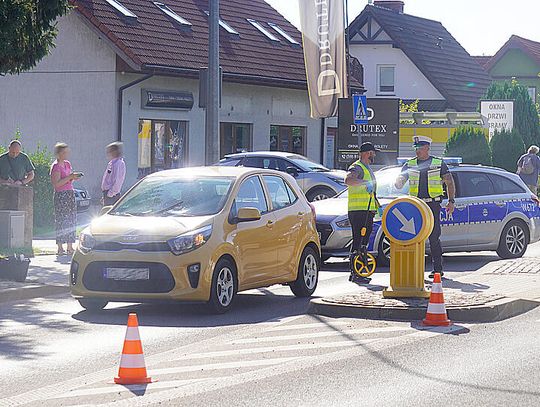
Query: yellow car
[(199, 234)]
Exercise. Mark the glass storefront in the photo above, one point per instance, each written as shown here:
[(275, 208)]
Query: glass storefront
[(162, 145), (235, 138), (290, 139)]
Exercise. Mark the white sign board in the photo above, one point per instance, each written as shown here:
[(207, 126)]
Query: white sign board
[(500, 114)]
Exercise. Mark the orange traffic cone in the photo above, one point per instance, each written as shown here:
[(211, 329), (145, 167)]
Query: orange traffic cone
[(436, 311), (132, 367)]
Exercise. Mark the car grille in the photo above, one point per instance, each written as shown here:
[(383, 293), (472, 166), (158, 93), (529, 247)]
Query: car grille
[(325, 231), (160, 281), (141, 247)]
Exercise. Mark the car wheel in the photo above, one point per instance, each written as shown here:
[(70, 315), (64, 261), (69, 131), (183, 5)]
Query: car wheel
[(308, 274), (383, 251), (92, 304), (320, 193), (224, 287), (514, 240)]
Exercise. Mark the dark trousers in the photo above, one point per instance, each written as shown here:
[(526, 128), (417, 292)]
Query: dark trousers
[(435, 237), (109, 201), (358, 220)]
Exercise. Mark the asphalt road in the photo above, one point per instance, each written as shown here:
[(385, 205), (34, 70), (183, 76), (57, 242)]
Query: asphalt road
[(265, 351)]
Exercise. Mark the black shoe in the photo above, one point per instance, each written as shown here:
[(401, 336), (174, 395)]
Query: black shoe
[(432, 274)]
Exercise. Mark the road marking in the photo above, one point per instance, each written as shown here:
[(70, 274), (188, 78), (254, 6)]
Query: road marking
[(220, 366), (323, 334), (308, 326)]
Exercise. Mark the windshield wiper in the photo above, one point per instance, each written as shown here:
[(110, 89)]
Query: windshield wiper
[(168, 208)]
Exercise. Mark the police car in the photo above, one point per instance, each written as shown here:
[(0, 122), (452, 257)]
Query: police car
[(494, 211)]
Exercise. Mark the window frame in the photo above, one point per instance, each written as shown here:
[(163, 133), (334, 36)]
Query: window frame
[(263, 30), (226, 26), (462, 189), (234, 126), (379, 90), (234, 212), (493, 178), (165, 9), (534, 94), (119, 7), (277, 28)]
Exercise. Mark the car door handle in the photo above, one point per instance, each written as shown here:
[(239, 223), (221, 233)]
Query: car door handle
[(500, 204), (269, 224)]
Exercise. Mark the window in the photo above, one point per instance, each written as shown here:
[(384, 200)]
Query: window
[(283, 33), (251, 195), (225, 26), (505, 186), (277, 189), (162, 145), (263, 30), (532, 93), (235, 138), (288, 139), (122, 9), (475, 184), (386, 78), (182, 21)]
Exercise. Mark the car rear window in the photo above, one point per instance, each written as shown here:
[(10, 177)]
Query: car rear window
[(230, 162), (503, 185)]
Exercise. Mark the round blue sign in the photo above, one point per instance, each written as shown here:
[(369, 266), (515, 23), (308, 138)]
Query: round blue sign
[(404, 221)]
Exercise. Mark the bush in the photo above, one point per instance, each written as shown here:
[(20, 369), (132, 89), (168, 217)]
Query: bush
[(526, 120), (43, 190), (506, 148), (471, 144)]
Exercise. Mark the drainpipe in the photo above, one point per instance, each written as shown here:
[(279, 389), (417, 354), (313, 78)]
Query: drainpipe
[(121, 100)]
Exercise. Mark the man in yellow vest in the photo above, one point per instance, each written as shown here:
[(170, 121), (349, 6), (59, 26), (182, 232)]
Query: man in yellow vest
[(426, 175), (362, 199)]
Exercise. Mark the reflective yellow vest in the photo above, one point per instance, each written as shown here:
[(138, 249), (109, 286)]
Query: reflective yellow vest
[(435, 184), (359, 196)]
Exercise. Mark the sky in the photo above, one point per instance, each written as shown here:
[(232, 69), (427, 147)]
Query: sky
[(480, 26)]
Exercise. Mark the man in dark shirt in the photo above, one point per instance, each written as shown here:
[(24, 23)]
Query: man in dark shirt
[(426, 175), (15, 166)]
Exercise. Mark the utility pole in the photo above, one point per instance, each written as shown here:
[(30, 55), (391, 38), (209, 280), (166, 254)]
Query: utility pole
[(212, 100)]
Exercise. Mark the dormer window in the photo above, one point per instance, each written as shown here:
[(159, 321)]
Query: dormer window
[(283, 33), (127, 13), (182, 21), (263, 30)]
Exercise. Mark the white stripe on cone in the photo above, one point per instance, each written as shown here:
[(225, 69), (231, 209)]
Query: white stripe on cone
[(436, 308), (437, 288), (132, 334), (132, 361)]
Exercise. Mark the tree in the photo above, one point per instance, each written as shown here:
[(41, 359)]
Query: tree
[(27, 32), (506, 148), (526, 120), (469, 143)]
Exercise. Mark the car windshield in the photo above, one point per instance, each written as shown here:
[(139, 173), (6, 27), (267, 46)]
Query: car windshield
[(386, 179), (229, 161), (165, 196), (307, 165)]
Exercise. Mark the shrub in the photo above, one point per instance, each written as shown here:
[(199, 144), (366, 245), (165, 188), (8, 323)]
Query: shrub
[(43, 191), (506, 148), (471, 144)]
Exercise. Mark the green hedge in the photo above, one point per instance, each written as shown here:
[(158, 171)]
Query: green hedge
[(506, 148), (471, 144)]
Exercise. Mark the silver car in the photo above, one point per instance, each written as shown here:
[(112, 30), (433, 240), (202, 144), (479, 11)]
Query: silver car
[(317, 181), (494, 211)]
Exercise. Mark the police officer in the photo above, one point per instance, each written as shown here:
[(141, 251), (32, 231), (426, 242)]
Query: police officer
[(426, 175), (362, 199)]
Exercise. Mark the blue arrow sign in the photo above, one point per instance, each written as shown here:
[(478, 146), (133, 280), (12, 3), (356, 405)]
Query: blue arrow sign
[(404, 221), (360, 109)]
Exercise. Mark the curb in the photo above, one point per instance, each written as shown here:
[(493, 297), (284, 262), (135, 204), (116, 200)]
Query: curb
[(498, 310), (31, 291)]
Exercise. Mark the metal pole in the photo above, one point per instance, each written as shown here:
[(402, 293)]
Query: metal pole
[(212, 106)]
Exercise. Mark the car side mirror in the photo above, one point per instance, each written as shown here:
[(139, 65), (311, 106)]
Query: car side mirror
[(105, 210), (292, 171), (248, 214)]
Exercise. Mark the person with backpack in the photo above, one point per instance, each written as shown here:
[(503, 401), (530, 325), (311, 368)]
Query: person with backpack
[(528, 168)]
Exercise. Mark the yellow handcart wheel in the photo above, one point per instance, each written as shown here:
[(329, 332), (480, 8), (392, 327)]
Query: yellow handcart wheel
[(364, 270)]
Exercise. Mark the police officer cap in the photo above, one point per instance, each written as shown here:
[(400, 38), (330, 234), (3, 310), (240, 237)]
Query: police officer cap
[(420, 141), (365, 147)]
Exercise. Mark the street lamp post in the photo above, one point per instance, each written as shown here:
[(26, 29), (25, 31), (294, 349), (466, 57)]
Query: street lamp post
[(212, 100)]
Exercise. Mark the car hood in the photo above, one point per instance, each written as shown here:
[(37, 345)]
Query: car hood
[(338, 174), (334, 207), (147, 228)]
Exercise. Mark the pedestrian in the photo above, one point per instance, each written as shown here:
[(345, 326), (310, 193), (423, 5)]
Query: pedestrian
[(65, 209), (426, 175), (362, 200), (15, 166), (114, 175), (528, 168)]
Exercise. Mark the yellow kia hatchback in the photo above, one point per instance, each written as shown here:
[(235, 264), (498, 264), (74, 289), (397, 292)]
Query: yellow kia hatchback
[(199, 234)]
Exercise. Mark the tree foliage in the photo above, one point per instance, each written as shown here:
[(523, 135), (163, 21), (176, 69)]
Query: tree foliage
[(526, 120), (506, 148), (471, 144), (27, 32)]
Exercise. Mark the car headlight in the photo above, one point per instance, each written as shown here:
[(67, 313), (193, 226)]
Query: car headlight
[(190, 241), (339, 181), (344, 223), (86, 241)]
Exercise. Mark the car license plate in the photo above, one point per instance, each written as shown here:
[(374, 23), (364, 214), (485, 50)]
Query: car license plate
[(127, 274), (84, 203)]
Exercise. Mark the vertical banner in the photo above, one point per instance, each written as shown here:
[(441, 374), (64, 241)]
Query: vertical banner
[(323, 36)]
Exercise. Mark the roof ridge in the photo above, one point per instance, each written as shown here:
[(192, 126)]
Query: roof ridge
[(404, 14)]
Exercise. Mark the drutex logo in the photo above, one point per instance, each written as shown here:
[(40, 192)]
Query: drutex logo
[(328, 81)]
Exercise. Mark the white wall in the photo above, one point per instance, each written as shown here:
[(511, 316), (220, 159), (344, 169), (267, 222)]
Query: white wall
[(410, 83), (69, 96)]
